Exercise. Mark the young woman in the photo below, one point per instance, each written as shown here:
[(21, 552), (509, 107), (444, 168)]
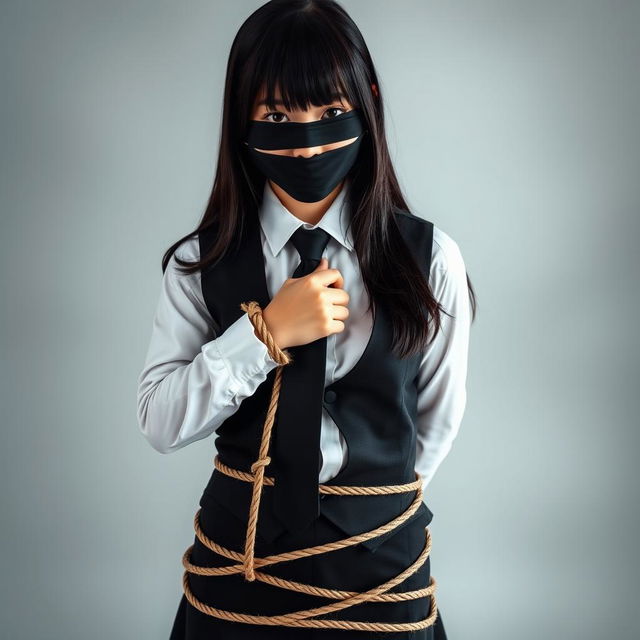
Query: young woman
[(320, 330)]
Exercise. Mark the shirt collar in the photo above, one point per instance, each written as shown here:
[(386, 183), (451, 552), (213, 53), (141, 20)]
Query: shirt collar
[(278, 223)]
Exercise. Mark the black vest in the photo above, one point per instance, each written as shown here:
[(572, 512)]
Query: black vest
[(374, 405)]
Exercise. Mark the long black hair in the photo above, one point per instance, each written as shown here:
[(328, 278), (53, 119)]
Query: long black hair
[(312, 51)]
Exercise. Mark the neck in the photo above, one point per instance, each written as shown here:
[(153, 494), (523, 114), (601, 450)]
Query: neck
[(310, 212)]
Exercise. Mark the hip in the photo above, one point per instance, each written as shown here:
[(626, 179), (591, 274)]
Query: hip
[(333, 576)]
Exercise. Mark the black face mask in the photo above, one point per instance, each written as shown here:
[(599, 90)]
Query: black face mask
[(306, 179)]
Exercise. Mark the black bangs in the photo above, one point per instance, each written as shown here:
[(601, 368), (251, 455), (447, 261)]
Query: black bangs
[(307, 60)]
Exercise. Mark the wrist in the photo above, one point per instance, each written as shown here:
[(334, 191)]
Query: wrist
[(275, 334)]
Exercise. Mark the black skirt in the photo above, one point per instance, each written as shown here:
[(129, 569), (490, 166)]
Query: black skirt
[(353, 568)]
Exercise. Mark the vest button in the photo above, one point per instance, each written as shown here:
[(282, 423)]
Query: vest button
[(330, 395)]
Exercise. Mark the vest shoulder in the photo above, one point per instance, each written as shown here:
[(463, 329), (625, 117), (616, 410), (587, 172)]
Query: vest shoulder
[(412, 220), (417, 233), (445, 251), (415, 230)]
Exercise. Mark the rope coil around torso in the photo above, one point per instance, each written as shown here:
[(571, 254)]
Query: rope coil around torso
[(248, 563)]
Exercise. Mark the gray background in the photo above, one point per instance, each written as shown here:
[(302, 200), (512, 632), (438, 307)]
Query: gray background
[(514, 127)]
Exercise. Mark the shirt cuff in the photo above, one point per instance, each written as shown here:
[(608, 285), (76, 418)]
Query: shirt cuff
[(243, 353)]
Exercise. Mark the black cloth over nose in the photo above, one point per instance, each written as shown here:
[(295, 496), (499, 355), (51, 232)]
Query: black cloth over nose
[(299, 416)]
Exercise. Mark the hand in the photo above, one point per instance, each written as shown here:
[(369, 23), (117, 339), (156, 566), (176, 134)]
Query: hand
[(308, 308)]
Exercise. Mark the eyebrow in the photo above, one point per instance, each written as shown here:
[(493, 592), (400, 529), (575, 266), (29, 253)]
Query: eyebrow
[(338, 97)]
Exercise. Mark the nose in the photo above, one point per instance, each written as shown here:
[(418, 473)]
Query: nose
[(306, 152)]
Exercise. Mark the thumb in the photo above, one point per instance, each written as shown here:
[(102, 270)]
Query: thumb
[(322, 265)]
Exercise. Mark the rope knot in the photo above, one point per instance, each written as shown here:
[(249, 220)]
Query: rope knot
[(262, 462)]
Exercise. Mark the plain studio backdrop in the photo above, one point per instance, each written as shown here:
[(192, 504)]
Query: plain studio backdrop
[(513, 126)]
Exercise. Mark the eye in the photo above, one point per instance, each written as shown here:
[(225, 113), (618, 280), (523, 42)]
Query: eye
[(267, 116), (273, 113), (335, 109)]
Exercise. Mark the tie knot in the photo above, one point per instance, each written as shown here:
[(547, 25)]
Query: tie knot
[(310, 243)]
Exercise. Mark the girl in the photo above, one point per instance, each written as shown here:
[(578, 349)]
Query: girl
[(321, 331)]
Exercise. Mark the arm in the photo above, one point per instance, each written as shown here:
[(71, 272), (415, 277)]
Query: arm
[(193, 381), (441, 381)]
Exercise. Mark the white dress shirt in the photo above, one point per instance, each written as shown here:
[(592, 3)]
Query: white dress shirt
[(194, 377)]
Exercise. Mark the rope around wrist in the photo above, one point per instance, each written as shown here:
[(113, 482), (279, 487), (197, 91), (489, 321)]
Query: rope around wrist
[(254, 311), (248, 562)]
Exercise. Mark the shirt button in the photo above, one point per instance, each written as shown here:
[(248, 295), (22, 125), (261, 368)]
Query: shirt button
[(330, 395)]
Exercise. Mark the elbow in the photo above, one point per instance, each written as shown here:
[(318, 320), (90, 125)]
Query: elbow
[(152, 427), (157, 443), (154, 436)]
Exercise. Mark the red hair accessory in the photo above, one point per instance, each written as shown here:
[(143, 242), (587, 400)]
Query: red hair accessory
[(374, 88)]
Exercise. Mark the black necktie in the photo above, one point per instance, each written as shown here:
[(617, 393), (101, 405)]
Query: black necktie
[(299, 415)]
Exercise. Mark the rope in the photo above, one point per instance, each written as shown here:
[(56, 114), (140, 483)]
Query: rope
[(248, 563)]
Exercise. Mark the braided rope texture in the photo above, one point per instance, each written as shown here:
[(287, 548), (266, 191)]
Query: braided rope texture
[(248, 563)]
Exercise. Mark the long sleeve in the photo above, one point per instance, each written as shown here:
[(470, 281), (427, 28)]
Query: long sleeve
[(192, 381), (441, 380)]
